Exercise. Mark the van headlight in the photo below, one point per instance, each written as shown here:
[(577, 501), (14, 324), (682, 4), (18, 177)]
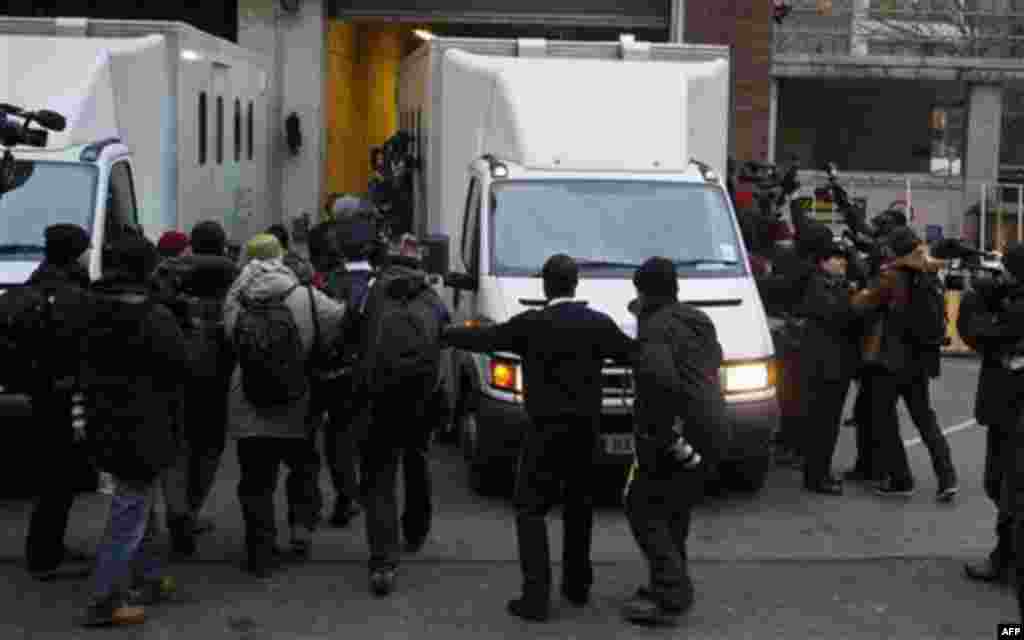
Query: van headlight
[(505, 374), (745, 377)]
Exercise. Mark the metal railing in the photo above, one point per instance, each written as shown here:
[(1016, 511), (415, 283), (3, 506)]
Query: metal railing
[(999, 204)]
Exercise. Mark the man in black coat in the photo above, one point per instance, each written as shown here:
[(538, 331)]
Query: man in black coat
[(990, 328), (194, 287), (564, 346), (679, 426), (51, 408)]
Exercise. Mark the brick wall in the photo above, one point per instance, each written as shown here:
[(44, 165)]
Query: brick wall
[(746, 24)]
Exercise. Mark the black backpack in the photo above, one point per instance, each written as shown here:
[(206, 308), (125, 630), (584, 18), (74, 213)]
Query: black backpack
[(40, 337), (927, 311), (200, 316), (403, 330), (270, 351)]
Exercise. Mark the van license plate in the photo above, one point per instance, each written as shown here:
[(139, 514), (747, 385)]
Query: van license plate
[(618, 444)]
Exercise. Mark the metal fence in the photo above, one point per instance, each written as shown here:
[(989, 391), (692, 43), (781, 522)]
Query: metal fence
[(1000, 217)]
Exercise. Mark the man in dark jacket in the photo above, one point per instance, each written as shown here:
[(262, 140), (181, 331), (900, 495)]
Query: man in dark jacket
[(908, 367), (194, 287), (991, 326), (133, 366), (51, 408), (679, 423), (564, 347)]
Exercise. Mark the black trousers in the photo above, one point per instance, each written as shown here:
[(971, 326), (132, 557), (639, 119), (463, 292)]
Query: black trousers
[(339, 443), (68, 473), (999, 461), (399, 434), (556, 464), (659, 513), (866, 461), (206, 423), (824, 415), (916, 394), (259, 460)]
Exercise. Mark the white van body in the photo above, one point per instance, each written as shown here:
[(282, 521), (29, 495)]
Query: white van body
[(581, 142), (130, 91)]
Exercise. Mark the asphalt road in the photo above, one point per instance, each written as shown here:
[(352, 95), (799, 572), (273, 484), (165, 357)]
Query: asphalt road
[(781, 564)]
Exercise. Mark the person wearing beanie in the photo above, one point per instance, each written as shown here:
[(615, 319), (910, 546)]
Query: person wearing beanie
[(905, 365), (195, 286), (173, 244), (268, 436), (563, 346), (679, 414), (61, 274), (134, 365), (829, 360)]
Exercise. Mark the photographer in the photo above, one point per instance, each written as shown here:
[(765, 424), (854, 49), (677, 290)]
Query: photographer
[(991, 322), (905, 346)]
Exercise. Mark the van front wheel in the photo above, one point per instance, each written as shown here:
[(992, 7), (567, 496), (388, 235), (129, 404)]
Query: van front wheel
[(481, 475)]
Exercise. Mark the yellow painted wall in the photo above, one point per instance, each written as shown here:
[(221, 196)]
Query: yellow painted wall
[(360, 109)]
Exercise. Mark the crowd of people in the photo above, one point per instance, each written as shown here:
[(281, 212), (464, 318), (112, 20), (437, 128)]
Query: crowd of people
[(327, 344)]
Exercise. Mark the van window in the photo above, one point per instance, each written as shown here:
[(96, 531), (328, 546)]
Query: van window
[(470, 237), (121, 215), (249, 126), (238, 130), (202, 128), (615, 225), (220, 129)]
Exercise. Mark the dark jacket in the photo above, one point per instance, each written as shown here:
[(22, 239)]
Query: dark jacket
[(61, 349), (991, 329), (830, 349), (563, 346), (134, 365), (676, 369)]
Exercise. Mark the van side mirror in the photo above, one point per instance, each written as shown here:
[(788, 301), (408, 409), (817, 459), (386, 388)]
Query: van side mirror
[(461, 281)]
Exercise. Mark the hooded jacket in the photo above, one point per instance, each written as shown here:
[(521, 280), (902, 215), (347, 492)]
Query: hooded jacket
[(676, 369), (262, 280), (131, 338)]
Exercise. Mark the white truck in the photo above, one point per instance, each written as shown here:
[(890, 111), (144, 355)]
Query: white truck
[(166, 126), (529, 148)]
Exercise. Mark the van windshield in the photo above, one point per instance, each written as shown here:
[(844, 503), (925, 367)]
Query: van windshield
[(55, 192), (611, 227)]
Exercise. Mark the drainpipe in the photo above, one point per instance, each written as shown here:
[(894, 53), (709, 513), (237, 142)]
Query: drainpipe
[(677, 21)]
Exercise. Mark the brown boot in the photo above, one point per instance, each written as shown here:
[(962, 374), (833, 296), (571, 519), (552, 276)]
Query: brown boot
[(112, 612)]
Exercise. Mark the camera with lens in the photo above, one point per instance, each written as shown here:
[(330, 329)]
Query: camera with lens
[(16, 129)]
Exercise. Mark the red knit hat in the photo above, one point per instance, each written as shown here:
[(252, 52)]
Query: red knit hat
[(172, 243)]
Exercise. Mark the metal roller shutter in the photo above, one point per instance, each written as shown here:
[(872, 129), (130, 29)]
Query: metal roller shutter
[(652, 14)]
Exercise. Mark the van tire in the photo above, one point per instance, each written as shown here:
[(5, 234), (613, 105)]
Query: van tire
[(747, 475), (483, 478)]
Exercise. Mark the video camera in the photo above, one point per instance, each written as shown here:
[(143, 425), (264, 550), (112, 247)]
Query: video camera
[(980, 265), (771, 187), (15, 130)]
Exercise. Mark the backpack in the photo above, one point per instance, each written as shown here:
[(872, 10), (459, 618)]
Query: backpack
[(201, 318), (352, 288), (403, 329), (39, 334), (270, 352), (927, 321)]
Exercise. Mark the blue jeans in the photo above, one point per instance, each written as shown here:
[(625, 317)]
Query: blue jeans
[(126, 551)]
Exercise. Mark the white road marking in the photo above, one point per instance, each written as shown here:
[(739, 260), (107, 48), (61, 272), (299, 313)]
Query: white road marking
[(966, 424)]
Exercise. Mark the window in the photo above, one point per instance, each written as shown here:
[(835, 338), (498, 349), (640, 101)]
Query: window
[(54, 192), (238, 130), (614, 225), (202, 128), (249, 126), (470, 237), (121, 214), (220, 129)]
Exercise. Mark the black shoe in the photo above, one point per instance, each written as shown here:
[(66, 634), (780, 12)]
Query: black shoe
[(264, 567), (642, 609), (578, 597), (947, 490), (857, 475), (112, 612), (828, 486), (986, 571), (183, 538), (344, 514), (528, 611), (382, 582), (891, 488)]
